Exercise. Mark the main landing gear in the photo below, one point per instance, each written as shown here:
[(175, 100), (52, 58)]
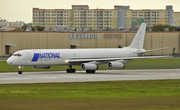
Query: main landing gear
[(20, 69), (71, 70), (90, 71)]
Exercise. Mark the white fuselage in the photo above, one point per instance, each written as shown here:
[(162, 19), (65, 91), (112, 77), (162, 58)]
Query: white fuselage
[(47, 57)]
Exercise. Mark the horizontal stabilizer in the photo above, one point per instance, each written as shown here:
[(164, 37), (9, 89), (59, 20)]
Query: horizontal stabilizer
[(153, 50)]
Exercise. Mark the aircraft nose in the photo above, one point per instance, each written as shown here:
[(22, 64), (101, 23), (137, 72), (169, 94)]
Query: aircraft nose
[(9, 61)]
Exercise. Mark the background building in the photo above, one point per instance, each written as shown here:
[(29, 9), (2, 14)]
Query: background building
[(176, 19), (11, 42), (8, 26), (80, 16)]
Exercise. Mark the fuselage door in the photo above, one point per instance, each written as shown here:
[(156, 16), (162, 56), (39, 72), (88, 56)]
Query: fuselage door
[(29, 56)]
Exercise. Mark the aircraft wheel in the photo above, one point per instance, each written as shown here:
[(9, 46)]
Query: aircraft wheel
[(71, 70), (20, 72), (90, 71), (68, 70)]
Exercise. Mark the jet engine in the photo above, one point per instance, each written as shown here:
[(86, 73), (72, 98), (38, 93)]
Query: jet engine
[(41, 67), (116, 64), (89, 66)]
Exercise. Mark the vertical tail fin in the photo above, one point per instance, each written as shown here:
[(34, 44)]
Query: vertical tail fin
[(138, 40)]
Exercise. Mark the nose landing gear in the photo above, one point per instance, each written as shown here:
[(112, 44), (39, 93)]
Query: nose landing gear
[(20, 69), (20, 72)]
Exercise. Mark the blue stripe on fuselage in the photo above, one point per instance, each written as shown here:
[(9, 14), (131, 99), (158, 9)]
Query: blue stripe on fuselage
[(35, 57)]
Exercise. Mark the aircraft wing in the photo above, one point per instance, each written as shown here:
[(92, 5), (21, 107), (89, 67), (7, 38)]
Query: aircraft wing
[(84, 60)]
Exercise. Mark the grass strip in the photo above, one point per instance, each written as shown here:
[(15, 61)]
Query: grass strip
[(142, 94)]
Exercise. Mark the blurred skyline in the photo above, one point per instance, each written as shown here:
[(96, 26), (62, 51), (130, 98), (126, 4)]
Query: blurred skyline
[(21, 10)]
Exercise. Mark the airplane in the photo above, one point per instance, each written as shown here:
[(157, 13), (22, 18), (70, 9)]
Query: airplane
[(88, 59)]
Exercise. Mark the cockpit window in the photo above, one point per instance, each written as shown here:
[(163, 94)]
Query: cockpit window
[(17, 55)]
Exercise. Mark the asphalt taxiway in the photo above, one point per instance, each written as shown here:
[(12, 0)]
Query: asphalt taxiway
[(81, 76)]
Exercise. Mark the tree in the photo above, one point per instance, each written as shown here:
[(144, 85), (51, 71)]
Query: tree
[(178, 29), (24, 27), (32, 28), (160, 27), (17, 29), (39, 28), (2, 20)]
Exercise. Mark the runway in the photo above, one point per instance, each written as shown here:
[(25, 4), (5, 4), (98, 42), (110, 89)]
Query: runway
[(81, 76)]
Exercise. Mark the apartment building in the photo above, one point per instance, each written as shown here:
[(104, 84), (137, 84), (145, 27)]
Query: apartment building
[(80, 16), (176, 19)]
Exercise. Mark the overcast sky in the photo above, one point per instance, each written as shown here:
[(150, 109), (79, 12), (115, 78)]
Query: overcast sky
[(21, 10)]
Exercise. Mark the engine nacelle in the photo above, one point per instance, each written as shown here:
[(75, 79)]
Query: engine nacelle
[(41, 67), (116, 64), (89, 66)]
